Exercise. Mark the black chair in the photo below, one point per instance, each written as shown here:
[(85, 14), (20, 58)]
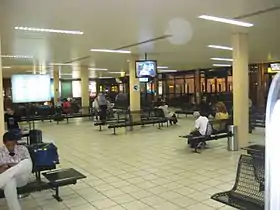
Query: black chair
[(248, 190)]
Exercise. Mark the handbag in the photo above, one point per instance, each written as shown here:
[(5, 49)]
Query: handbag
[(43, 155)]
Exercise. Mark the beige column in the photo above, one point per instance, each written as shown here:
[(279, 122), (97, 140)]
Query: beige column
[(2, 123), (197, 86), (85, 86), (241, 87), (134, 90), (56, 85)]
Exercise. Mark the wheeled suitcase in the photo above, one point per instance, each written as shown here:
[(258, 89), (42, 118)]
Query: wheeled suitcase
[(43, 155), (35, 136)]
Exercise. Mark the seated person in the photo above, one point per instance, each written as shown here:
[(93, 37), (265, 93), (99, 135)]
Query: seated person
[(15, 169), (221, 114), (169, 115), (200, 125), (12, 122)]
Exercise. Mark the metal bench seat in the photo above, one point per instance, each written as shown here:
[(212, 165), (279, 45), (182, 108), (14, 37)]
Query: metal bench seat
[(247, 192)]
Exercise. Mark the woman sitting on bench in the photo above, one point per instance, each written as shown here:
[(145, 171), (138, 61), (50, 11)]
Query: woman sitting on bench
[(221, 114), (15, 169), (169, 115)]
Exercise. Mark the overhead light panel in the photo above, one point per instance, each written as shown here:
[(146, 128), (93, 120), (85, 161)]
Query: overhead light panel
[(110, 51), (225, 20), (162, 67), (167, 71), (116, 72), (220, 47), (17, 56), (6, 67), (222, 59), (222, 65), (49, 30), (97, 69), (105, 77), (62, 64)]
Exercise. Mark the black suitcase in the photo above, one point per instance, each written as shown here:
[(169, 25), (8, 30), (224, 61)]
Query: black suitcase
[(35, 136)]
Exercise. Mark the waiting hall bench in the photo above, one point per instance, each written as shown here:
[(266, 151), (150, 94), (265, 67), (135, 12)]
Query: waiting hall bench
[(248, 190), (56, 179)]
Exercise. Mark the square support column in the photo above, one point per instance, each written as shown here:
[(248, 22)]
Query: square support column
[(241, 87), (134, 90), (2, 123), (56, 85), (85, 86)]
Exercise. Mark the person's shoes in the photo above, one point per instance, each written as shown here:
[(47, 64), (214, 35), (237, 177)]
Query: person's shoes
[(25, 195)]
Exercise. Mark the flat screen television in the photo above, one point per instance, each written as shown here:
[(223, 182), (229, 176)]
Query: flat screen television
[(31, 88), (275, 66), (146, 68)]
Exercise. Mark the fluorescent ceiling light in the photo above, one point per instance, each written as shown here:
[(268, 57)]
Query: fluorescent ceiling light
[(17, 56), (110, 51), (162, 67), (105, 77), (225, 20), (49, 30), (116, 72), (220, 47), (222, 59), (6, 67), (167, 71), (63, 64), (222, 65), (97, 69)]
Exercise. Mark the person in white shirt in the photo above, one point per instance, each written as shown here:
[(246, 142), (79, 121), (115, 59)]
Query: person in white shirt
[(200, 125), (169, 115), (15, 169)]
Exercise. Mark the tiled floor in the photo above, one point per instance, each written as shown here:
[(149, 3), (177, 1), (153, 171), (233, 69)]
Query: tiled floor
[(144, 169)]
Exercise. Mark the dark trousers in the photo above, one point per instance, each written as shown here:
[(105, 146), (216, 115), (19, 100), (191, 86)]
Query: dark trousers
[(193, 134), (103, 112)]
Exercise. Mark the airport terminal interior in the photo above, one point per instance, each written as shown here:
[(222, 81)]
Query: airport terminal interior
[(138, 105)]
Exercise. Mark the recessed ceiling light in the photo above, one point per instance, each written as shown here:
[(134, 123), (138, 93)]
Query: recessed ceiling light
[(6, 67), (49, 30), (220, 47), (110, 51), (225, 20), (17, 56), (162, 67), (222, 59), (222, 65), (97, 69)]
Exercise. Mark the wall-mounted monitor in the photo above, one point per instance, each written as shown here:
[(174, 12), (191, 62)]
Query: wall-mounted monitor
[(146, 68), (31, 88), (275, 66)]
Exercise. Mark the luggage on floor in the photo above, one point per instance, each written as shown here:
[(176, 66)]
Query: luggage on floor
[(35, 136), (58, 117), (43, 155)]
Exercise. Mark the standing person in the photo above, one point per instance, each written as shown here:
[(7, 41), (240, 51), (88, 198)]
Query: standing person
[(102, 102), (15, 169), (95, 107)]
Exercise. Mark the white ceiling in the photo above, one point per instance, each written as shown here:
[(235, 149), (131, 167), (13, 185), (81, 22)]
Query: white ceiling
[(112, 24)]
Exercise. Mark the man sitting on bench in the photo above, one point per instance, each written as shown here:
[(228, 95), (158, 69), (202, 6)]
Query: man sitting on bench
[(200, 125), (15, 169)]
